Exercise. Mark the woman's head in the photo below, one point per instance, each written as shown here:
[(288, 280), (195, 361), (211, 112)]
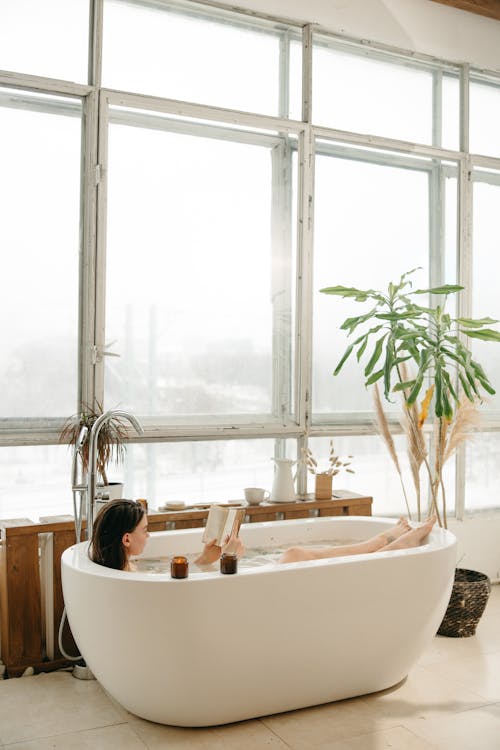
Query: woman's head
[(120, 530)]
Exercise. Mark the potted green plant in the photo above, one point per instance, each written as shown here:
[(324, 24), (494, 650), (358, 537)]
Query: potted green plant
[(399, 334), (111, 444)]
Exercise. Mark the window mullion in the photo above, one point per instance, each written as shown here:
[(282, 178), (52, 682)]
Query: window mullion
[(100, 251), (87, 257), (95, 42)]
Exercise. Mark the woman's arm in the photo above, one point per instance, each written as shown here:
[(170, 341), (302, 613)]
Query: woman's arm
[(211, 551)]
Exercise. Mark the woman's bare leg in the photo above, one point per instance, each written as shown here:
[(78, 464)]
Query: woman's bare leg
[(381, 541)]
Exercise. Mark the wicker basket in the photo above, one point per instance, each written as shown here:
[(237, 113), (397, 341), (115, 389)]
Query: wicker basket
[(467, 603)]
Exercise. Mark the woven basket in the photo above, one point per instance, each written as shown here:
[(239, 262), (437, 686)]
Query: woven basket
[(467, 603)]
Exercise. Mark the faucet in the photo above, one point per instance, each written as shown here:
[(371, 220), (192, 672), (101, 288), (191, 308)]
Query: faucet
[(92, 469)]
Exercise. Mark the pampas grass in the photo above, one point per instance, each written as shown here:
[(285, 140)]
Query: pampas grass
[(416, 447), (385, 433)]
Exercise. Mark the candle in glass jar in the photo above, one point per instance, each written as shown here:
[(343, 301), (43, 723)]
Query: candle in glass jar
[(179, 567), (228, 564)]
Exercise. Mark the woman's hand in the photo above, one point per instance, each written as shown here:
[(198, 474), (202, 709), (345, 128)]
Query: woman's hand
[(233, 545), (210, 553)]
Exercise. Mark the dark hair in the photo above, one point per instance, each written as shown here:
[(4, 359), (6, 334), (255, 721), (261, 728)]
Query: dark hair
[(115, 519)]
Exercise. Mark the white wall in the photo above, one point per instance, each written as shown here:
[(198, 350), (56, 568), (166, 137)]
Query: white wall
[(479, 543), (417, 25)]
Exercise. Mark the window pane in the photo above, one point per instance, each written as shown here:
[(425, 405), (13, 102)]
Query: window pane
[(376, 476), (48, 38), (375, 95), (482, 479), (371, 225), (200, 471), (183, 55), (199, 268), (486, 266), (35, 481), (39, 234), (451, 113), (484, 118)]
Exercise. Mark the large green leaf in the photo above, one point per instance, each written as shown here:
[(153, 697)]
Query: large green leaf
[(465, 386), (388, 365), (362, 348), (394, 316), (475, 323), (449, 385), (352, 323), (404, 386), (412, 396), (445, 289), (374, 377), (375, 355), (343, 359), (346, 291), (487, 334)]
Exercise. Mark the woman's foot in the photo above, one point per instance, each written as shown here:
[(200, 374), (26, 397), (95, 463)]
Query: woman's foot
[(397, 531), (412, 538)]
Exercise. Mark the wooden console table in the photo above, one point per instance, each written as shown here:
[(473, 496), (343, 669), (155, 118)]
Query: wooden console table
[(21, 626), (343, 503)]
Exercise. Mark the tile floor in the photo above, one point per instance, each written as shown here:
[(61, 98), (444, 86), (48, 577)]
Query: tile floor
[(450, 701)]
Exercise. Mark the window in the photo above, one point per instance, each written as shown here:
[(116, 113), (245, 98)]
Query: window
[(169, 220), (40, 199), (198, 297)]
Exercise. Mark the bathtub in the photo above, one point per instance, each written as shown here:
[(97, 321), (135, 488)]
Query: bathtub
[(214, 649)]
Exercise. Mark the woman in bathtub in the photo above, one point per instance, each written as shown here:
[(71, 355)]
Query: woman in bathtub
[(121, 531)]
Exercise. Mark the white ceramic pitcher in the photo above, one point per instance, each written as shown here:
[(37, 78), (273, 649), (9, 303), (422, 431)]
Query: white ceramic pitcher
[(283, 490)]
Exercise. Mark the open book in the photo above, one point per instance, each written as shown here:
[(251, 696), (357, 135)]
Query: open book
[(221, 522)]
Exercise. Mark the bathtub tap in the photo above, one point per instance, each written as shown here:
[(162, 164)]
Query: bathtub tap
[(92, 471)]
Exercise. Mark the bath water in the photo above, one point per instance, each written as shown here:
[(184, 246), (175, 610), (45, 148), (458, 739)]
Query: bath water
[(253, 558)]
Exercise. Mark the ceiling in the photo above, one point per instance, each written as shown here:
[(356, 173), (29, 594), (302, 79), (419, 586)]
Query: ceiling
[(490, 8)]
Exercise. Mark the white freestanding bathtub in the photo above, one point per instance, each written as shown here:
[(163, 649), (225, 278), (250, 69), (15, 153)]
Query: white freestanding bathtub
[(215, 648)]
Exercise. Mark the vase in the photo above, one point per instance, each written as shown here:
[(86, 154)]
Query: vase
[(323, 487)]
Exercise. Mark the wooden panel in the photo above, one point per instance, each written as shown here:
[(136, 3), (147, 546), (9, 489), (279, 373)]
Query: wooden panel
[(489, 8), (62, 540), (303, 513), (21, 632), (194, 523), (156, 526), (334, 510), (263, 516)]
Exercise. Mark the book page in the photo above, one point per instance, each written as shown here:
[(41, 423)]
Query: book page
[(221, 522)]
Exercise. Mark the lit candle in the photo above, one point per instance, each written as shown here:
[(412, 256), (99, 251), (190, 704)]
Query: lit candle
[(179, 567)]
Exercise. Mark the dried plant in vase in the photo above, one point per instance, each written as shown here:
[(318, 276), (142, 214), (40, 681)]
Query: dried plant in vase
[(323, 479), (110, 441)]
